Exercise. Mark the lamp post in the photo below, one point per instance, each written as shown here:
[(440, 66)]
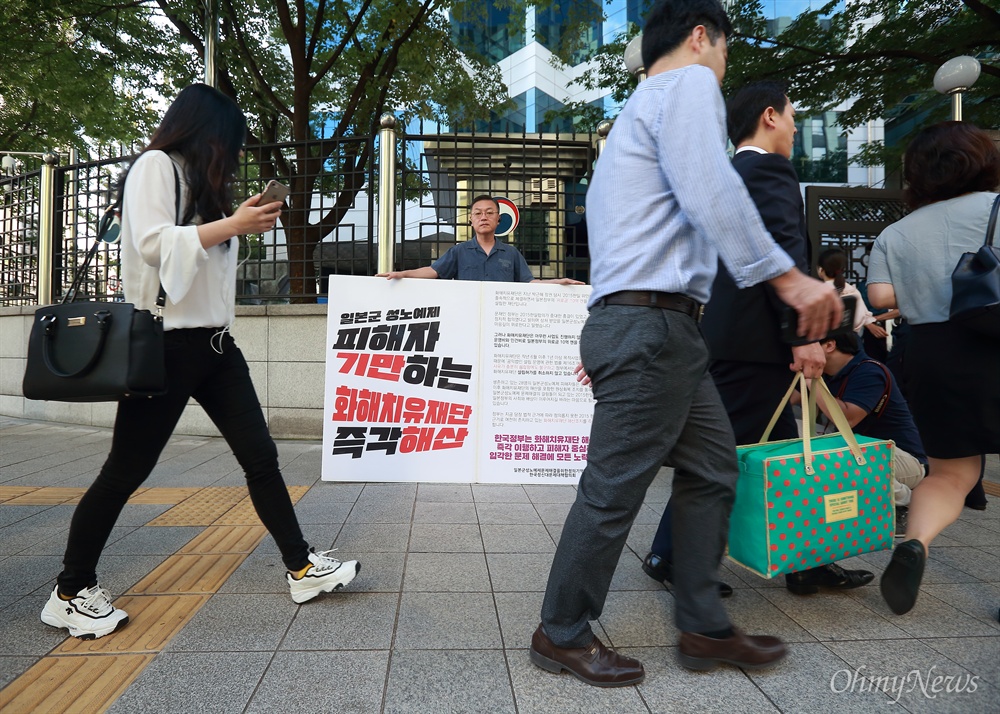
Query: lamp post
[(954, 77), (633, 58)]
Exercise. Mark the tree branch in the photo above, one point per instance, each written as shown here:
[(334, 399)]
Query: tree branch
[(345, 40), (987, 13), (261, 84)]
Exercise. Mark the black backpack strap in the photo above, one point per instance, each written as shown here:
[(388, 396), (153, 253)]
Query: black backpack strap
[(883, 401)]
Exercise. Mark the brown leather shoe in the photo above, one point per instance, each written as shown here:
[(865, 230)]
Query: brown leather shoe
[(747, 651), (594, 664)]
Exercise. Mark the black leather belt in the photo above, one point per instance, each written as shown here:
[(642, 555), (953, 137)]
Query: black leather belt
[(651, 298)]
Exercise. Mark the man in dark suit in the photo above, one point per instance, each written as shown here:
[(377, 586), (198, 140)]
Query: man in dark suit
[(751, 366)]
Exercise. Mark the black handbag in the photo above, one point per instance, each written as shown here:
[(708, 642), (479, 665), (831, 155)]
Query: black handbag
[(975, 285), (91, 351)]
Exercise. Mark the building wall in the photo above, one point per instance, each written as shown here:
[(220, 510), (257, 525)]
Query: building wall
[(285, 346)]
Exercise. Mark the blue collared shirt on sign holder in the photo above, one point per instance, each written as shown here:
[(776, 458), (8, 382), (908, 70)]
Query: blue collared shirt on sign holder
[(468, 261)]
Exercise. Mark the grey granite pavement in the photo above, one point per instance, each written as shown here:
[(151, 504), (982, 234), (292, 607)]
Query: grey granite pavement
[(440, 617)]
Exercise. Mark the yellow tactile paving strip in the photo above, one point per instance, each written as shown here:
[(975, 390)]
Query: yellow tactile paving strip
[(203, 510), (72, 684), (991, 488), (225, 539), (89, 675), (189, 574), (9, 492), (51, 496), (153, 622)]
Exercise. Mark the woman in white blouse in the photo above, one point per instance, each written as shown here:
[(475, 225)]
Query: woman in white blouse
[(188, 243)]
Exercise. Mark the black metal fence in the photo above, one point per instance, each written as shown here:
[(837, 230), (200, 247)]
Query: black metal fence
[(329, 225), (851, 219)]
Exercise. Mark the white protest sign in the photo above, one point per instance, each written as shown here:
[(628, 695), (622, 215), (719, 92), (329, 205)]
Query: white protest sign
[(454, 381)]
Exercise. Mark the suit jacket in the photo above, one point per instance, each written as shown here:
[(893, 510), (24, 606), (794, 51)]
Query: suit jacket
[(745, 325)]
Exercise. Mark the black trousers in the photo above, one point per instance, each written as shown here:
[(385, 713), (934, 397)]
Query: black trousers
[(221, 384)]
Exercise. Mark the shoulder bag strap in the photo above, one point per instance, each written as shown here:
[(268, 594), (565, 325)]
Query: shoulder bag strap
[(991, 227), (883, 401), (102, 227)]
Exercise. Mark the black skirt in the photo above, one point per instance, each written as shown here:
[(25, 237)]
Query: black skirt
[(951, 378)]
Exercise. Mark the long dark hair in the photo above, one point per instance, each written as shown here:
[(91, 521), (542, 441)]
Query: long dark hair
[(833, 261), (207, 128)]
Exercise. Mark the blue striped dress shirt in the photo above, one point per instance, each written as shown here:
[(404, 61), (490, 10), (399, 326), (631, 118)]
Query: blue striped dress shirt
[(665, 203)]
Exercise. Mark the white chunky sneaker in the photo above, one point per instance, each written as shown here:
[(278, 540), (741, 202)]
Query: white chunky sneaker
[(88, 615), (323, 575)]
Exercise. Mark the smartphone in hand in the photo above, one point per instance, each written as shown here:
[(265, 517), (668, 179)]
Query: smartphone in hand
[(274, 192), (790, 323)]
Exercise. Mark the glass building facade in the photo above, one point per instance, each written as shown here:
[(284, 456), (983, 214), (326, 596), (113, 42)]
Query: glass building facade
[(523, 46)]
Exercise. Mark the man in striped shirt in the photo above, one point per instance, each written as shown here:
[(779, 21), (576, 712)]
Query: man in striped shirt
[(664, 205)]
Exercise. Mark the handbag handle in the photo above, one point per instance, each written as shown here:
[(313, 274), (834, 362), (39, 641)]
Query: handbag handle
[(809, 426), (991, 227), (50, 321)]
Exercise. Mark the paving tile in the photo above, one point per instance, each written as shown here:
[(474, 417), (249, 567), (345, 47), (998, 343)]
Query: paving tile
[(446, 572), (448, 681), (756, 615), (976, 654), (372, 538), (139, 514), (550, 494), (639, 619), (836, 615), (802, 683), (517, 539), (445, 492), (537, 691), (445, 538), (906, 670), (974, 561), (152, 540), (978, 600), (195, 682), (445, 513), (669, 688), (23, 633), (12, 667), (519, 615), (388, 511), (73, 684), (930, 617), (493, 493), (447, 621), (507, 514), (325, 513), (629, 574), (389, 492), (553, 513), (118, 573), (333, 492), (648, 516), (519, 572), (344, 621), (380, 573), (258, 573), (22, 574), (355, 684), (970, 534), (236, 623), (318, 535)]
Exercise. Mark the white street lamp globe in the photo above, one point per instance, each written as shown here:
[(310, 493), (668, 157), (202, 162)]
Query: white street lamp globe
[(633, 55), (957, 74)]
